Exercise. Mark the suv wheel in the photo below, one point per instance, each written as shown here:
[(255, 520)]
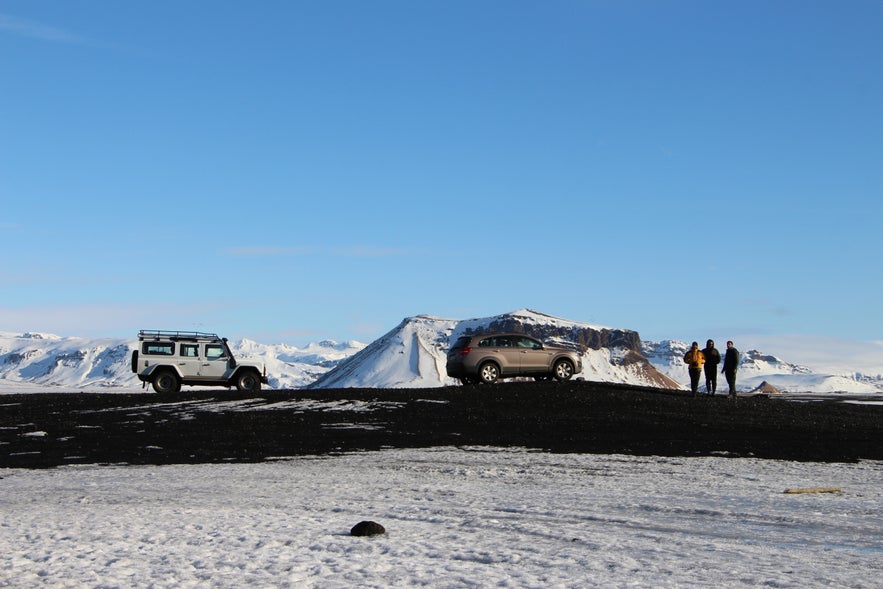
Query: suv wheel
[(165, 382), (248, 382), (563, 370), (488, 373)]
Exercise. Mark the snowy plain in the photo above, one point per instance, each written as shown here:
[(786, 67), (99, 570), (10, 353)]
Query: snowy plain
[(455, 517)]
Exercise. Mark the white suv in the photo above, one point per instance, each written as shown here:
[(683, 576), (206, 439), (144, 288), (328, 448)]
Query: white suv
[(168, 359)]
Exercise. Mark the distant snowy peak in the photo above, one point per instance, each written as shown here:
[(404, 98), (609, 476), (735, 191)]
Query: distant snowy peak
[(56, 361), (671, 353), (290, 367), (39, 336), (759, 362)]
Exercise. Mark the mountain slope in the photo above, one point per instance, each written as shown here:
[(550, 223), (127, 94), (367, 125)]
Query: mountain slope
[(411, 355), (414, 353)]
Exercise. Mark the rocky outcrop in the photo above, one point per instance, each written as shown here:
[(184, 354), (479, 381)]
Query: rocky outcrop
[(766, 389), (583, 337)]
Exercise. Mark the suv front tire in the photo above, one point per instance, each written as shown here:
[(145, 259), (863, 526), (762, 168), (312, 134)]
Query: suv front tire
[(563, 370), (248, 382)]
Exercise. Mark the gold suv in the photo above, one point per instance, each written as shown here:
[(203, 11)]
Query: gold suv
[(489, 357)]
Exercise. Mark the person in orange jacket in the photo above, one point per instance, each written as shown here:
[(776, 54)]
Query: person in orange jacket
[(694, 358)]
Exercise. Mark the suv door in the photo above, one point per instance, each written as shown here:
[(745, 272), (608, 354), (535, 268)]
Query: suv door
[(188, 359), (508, 354), (533, 357), (214, 362)]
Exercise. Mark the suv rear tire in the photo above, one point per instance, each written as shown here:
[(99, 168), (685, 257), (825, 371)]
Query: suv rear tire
[(488, 373), (165, 382)]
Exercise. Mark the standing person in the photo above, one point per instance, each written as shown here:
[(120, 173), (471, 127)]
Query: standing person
[(731, 365), (694, 359), (712, 359)]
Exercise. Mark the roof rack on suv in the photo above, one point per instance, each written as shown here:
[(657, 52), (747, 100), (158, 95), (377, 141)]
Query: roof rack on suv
[(175, 335)]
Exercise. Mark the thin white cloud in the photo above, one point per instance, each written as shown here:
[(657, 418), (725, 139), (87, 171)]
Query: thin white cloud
[(767, 306), (372, 251), (261, 251), (35, 30), (294, 251)]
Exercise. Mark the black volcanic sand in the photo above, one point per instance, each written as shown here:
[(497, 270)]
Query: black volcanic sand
[(47, 430)]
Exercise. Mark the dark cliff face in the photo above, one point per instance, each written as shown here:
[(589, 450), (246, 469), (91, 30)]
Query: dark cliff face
[(583, 338)]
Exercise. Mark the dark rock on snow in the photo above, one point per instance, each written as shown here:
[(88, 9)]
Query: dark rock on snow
[(367, 528)]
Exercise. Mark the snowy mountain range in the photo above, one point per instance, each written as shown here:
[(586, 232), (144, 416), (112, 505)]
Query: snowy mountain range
[(412, 355)]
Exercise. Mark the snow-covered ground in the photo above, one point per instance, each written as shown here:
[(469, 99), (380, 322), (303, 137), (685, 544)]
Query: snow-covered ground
[(468, 517)]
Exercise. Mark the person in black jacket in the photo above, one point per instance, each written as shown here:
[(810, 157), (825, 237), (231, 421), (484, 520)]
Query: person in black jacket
[(712, 359), (731, 365)]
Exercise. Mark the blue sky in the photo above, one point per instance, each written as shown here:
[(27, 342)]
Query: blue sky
[(295, 171)]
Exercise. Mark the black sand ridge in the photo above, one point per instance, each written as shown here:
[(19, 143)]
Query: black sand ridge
[(214, 426)]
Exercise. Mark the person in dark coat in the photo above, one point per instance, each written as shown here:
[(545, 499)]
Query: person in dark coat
[(712, 359), (731, 365)]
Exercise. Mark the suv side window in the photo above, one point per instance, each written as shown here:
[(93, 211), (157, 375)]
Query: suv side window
[(526, 342), (462, 342), (214, 351), (190, 350), (495, 342), (158, 348)]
